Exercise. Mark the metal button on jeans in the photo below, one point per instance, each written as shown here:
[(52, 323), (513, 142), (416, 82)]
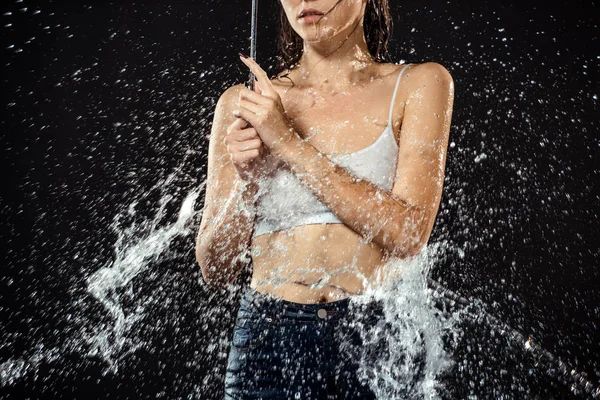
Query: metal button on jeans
[(322, 313)]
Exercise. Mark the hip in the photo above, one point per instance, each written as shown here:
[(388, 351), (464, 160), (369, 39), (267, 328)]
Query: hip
[(282, 349)]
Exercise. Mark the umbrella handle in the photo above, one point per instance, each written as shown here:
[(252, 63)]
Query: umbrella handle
[(253, 27)]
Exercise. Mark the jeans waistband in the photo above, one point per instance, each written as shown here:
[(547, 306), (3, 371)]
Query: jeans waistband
[(268, 304)]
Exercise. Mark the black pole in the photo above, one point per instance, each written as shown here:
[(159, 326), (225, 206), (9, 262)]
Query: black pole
[(253, 28)]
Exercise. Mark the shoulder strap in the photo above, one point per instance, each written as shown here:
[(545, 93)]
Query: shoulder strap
[(394, 95)]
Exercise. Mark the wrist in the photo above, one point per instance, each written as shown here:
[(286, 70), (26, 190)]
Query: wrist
[(284, 147)]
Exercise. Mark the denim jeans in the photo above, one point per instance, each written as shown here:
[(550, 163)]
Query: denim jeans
[(287, 350)]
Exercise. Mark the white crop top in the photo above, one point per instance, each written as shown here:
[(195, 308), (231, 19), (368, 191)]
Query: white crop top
[(284, 201)]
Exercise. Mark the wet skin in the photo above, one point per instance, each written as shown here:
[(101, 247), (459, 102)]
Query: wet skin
[(320, 263)]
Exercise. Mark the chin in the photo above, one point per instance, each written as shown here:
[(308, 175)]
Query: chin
[(318, 35)]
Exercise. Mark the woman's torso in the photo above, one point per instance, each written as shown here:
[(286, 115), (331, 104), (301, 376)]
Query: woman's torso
[(318, 263)]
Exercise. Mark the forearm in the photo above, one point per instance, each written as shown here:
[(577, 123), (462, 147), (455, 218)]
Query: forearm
[(375, 214), (222, 245)]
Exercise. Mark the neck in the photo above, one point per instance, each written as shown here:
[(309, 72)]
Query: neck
[(337, 62)]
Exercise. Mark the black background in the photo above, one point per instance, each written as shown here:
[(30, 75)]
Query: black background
[(106, 110)]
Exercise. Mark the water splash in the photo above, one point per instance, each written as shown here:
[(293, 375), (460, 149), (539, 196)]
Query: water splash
[(134, 251), (14, 369), (421, 315), (413, 329), (516, 110)]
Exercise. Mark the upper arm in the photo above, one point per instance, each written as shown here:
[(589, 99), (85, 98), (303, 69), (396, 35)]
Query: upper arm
[(423, 142), (221, 174)]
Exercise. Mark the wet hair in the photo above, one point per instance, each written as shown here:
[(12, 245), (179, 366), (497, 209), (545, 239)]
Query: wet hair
[(377, 27)]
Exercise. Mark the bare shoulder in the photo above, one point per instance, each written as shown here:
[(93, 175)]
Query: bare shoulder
[(430, 72), (416, 73), (223, 115), (229, 97)]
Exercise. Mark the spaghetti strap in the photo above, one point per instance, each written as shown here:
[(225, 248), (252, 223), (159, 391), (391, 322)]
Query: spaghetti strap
[(394, 95)]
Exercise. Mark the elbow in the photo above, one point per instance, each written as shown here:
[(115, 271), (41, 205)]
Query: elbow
[(212, 281), (219, 264), (405, 251), (200, 256), (416, 249), (410, 244), (208, 269), (216, 272), (209, 275)]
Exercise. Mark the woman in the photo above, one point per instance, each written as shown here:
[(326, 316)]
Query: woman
[(301, 175)]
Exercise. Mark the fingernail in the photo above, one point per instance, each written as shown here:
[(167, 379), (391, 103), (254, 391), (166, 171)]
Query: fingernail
[(242, 55)]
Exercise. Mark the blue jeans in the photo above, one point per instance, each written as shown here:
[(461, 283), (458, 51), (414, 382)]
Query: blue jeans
[(286, 350)]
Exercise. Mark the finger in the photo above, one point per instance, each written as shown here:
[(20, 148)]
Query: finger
[(241, 136), (257, 88), (252, 107), (247, 134), (254, 97), (246, 145), (245, 114), (236, 126), (239, 124), (262, 77)]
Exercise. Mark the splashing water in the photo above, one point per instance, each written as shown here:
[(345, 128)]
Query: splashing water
[(123, 312), (412, 312), (137, 246), (130, 260), (414, 327), (416, 320)]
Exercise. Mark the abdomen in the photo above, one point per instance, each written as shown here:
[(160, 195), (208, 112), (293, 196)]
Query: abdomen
[(329, 255)]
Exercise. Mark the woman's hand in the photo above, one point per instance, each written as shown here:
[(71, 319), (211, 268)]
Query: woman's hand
[(262, 108), (245, 149)]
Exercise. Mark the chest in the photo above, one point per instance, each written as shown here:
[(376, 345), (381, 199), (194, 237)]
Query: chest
[(344, 122)]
